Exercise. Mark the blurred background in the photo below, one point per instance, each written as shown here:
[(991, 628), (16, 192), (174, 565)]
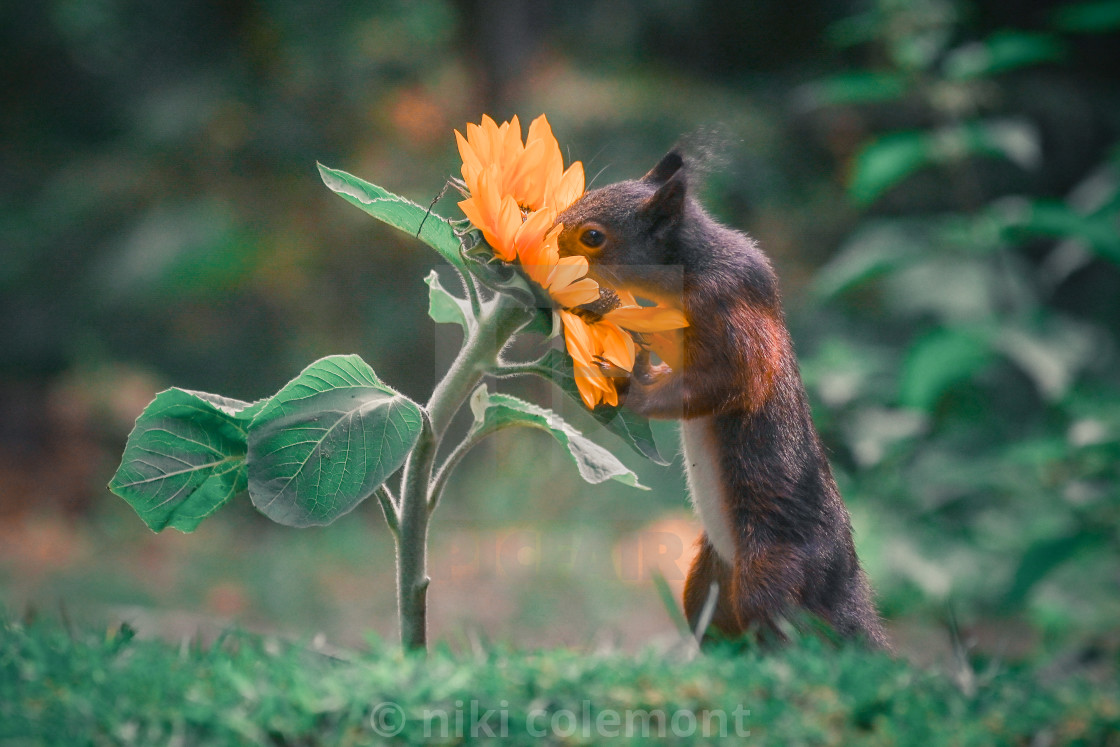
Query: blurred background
[(938, 183)]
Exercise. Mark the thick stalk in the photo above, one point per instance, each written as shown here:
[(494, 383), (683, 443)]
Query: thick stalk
[(499, 320), (412, 542)]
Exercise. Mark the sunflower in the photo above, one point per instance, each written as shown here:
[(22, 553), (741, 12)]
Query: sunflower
[(608, 344), (532, 173), (516, 189)]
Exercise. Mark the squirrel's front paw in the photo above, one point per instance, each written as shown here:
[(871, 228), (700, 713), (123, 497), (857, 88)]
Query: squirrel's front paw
[(645, 372), (620, 376)]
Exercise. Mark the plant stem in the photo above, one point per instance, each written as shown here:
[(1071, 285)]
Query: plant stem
[(389, 508), (499, 320), (509, 370), (501, 317), (443, 474), (412, 542)]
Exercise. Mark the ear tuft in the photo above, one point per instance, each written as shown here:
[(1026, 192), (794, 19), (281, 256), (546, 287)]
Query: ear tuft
[(669, 164), (665, 206)]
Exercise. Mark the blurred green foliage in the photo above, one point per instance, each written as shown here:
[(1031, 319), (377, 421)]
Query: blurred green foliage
[(973, 399)]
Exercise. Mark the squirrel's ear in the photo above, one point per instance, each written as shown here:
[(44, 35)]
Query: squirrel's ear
[(666, 205), (670, 164)]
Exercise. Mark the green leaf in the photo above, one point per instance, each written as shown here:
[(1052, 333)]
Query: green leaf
[(1044, 556), (1014, 139), (327, 440), (251, 411), (938, 361), (397, 212), (855, 87), (1059, 220), (1002, 52), (885, 162), (634, 429), (875, 250), (445, 308), (1094, 17), (493, 412), (184, 459)]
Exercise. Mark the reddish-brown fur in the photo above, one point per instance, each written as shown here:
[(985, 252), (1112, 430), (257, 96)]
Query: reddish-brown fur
[(736, 377), (707, 568), (770, 498), (767, 352)]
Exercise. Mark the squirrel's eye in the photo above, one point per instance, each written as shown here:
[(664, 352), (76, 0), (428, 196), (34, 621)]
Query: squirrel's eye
[(592, 238)]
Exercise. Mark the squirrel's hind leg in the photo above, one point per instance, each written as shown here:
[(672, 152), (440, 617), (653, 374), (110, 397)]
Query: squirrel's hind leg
[(708, 568)]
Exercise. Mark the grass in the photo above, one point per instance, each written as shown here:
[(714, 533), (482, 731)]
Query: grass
[(88, 686)]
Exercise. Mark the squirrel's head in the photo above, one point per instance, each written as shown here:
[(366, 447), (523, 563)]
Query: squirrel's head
[(624, 229)]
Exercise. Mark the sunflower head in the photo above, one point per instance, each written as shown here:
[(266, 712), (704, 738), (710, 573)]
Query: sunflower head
[(516, 189), (532, 173)]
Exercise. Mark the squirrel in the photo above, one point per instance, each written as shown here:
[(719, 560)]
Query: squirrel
[(777, 536)]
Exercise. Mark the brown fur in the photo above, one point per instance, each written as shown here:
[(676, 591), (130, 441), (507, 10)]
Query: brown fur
[(707, 568), (791, 534)]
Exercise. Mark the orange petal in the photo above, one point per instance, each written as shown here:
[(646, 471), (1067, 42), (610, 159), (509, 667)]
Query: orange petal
[(492, 138), (539, 260), (479, 139), (552, 162), (594, 386), (596, 378), (508, 222), (490, 129), (486, 194), (588, 392), (531, 233), (647, 319), (472, 166), (540, 129), (611, 397), (616, 345), (536, 272), (578, 293), (552, 241), (567, 271), (568, 189), (474, 215), (669, 347), (511, 146), (577, 336), (625, 297), (523, 179)]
